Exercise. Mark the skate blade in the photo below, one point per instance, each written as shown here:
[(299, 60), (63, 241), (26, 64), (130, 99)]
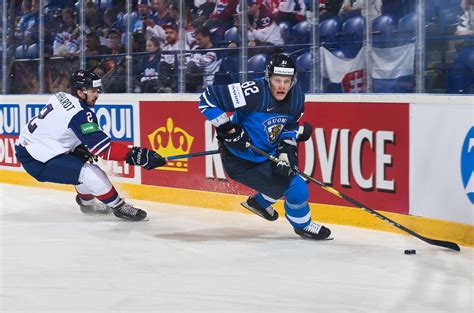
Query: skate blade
[(313, 239)]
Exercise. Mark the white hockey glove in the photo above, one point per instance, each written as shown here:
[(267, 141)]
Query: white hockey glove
[(287, 158)]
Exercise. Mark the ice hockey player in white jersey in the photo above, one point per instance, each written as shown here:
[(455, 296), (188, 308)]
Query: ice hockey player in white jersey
[(56, 145)]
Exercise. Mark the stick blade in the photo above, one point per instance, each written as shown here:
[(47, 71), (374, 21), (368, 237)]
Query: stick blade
[(445, 244)]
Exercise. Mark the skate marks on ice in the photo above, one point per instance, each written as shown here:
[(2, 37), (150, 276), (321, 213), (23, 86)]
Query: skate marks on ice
[(201, 260)]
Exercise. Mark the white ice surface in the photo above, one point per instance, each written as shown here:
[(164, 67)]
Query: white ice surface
[(55, 259)]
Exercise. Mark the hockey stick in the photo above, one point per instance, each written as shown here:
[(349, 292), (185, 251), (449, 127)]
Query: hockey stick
[(441, 243), (191, 155)]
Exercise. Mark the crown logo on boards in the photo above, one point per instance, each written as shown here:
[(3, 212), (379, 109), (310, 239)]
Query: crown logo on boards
[(171, 140)]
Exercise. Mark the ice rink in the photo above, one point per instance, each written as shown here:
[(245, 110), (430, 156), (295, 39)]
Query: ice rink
[(55, 259)]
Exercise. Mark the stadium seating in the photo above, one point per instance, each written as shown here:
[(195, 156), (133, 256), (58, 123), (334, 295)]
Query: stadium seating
[(232, 35), (21, 52), (228, 72), (448, 19), (353, 28), (383, 27), (461, 75), (285, 31), (328, 30), (301, 33), (351, 36), (33, 51), (303, 67), (406, 28), (256, 66)]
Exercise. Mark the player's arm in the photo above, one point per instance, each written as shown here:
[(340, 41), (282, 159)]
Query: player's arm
[(215, 101), (97, 143), (287, 147), (291, 128)]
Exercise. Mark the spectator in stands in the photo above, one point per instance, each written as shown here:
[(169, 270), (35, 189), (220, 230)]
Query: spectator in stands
[(138, 58), (200, 11), (149, 74), (66, 41), (263, 30), (26, 30), (115, 38), (169, 61), (144, 17), (94, 50), (111, 14), (203, 64), (93, 45), (351, 8), (92, 14), (189, 25), (221, 18), (161, 14), (113, 68), (466, 21), (292, 11), (461, 77), (329, 9)]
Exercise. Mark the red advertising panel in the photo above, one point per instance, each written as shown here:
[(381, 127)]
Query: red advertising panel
[(174, 128), (361, 149)]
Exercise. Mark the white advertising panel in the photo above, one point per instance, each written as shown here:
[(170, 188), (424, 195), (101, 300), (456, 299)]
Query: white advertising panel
[(442, 160)]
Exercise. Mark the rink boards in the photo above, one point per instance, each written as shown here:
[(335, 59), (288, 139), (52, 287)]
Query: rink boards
[(410, 156)]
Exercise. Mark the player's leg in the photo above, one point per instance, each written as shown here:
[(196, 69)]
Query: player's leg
[(90, 180), (261, 205), (94, 182), (298, 213), (259, 177)]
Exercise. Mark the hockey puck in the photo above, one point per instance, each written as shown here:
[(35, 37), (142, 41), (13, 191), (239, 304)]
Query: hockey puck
[(410, 251)]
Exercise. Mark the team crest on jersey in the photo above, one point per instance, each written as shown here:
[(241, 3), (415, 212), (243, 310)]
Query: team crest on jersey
[(274, 126)]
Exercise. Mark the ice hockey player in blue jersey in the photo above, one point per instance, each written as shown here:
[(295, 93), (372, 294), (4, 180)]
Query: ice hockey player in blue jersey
[(56, 145), (266, 112)]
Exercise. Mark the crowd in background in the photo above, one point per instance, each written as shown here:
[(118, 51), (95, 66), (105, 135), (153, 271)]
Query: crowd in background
[(211, 34)]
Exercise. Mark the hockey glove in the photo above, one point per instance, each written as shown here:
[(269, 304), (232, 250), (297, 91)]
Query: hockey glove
[(143, 157), (84, 153), (304, 132), (287, 158), (233, 135)]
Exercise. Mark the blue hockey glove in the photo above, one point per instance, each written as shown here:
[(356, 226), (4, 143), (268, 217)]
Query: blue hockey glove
[(233, 135), (143, 157), (287, 158)]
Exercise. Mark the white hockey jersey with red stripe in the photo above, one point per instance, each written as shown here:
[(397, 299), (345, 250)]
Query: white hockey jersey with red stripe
[(63, 124)]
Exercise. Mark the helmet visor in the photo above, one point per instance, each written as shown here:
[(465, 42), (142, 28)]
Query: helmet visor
[(97, 84)]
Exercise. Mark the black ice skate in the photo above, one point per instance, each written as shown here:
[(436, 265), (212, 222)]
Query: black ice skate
[(267, 213), (93, 208), (314, 231), (127, 211)]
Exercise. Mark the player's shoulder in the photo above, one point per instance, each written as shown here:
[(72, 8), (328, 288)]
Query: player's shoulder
[(297, 96), (67, 101)]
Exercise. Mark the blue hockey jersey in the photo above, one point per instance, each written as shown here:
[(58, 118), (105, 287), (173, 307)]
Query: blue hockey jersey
[(266, 120)]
